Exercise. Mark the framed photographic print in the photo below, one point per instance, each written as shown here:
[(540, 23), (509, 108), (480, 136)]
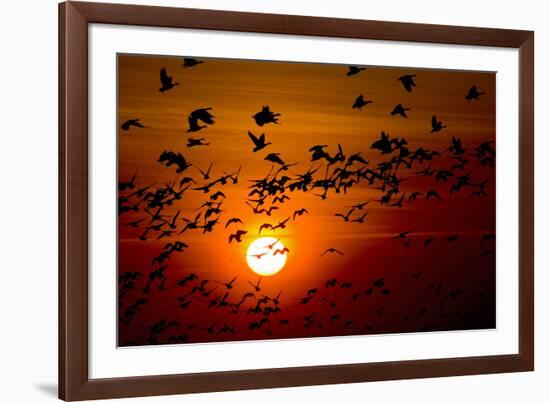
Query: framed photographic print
[(258, 201)]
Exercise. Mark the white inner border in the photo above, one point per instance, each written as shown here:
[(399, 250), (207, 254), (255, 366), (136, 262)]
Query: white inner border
[(106, 360)]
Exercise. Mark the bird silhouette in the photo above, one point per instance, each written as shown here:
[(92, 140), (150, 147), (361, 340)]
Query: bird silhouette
[(256, 285), (426, 172), (129, 184), (428, 241), (237, 236), (361, 219), (275, 158), (437, 125), (191, 62), (259, 142), (369, 327), (131, 123), (141, 191), (281, 224), (360, 206), (271, 245), (277, 298), (345, 217), (281, 199), (203, 115), (380, 311), (304, 300), (177, 246), (170, 158), (354, 297), (299, 212), (193, 142), (402, 235), (205, 173), (284, 322), (398, 203), (479, 194), (266, 116), (452, 238), (456, 148), (233, 220), (186, 180), (209, 225), (473, 94), (331, 250), (155, 276), (487, 237), (379, 283), (128, 278), (248, 295), (135, 224), (415, 275), (258, 255), (332, 302), (407, 81), (228, 285), (312, 291), (194, 125), (258, 210), (383, 144), (166, 81), (460, 165), (185, 280), (436, 287), (281, 251), (433, 194), (360, 101), (132, 310), (265, 226), (217, 194), (352, 70), (226, 329), (318, 152), (400, 110), (356, 158)]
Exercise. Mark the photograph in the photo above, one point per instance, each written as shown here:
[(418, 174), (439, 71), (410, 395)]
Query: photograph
[(264, 199), (275, 201)]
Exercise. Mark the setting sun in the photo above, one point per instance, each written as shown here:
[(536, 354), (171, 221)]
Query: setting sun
[(266, 256)]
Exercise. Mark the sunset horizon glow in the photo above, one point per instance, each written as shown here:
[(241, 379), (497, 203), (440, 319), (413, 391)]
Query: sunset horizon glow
[(387, 209)]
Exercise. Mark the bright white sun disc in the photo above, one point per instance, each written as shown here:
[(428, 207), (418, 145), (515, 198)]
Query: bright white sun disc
[(266, 256)]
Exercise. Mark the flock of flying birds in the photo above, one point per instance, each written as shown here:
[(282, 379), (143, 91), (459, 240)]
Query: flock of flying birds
[(151, 210)]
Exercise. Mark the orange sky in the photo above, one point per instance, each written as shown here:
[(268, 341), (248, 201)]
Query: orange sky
[(315, 104)]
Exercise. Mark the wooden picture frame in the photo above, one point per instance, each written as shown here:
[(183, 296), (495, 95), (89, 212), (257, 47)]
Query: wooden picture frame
[(74, 381)]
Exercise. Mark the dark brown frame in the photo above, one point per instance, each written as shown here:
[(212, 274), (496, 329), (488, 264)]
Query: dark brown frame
[(74, 382)]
